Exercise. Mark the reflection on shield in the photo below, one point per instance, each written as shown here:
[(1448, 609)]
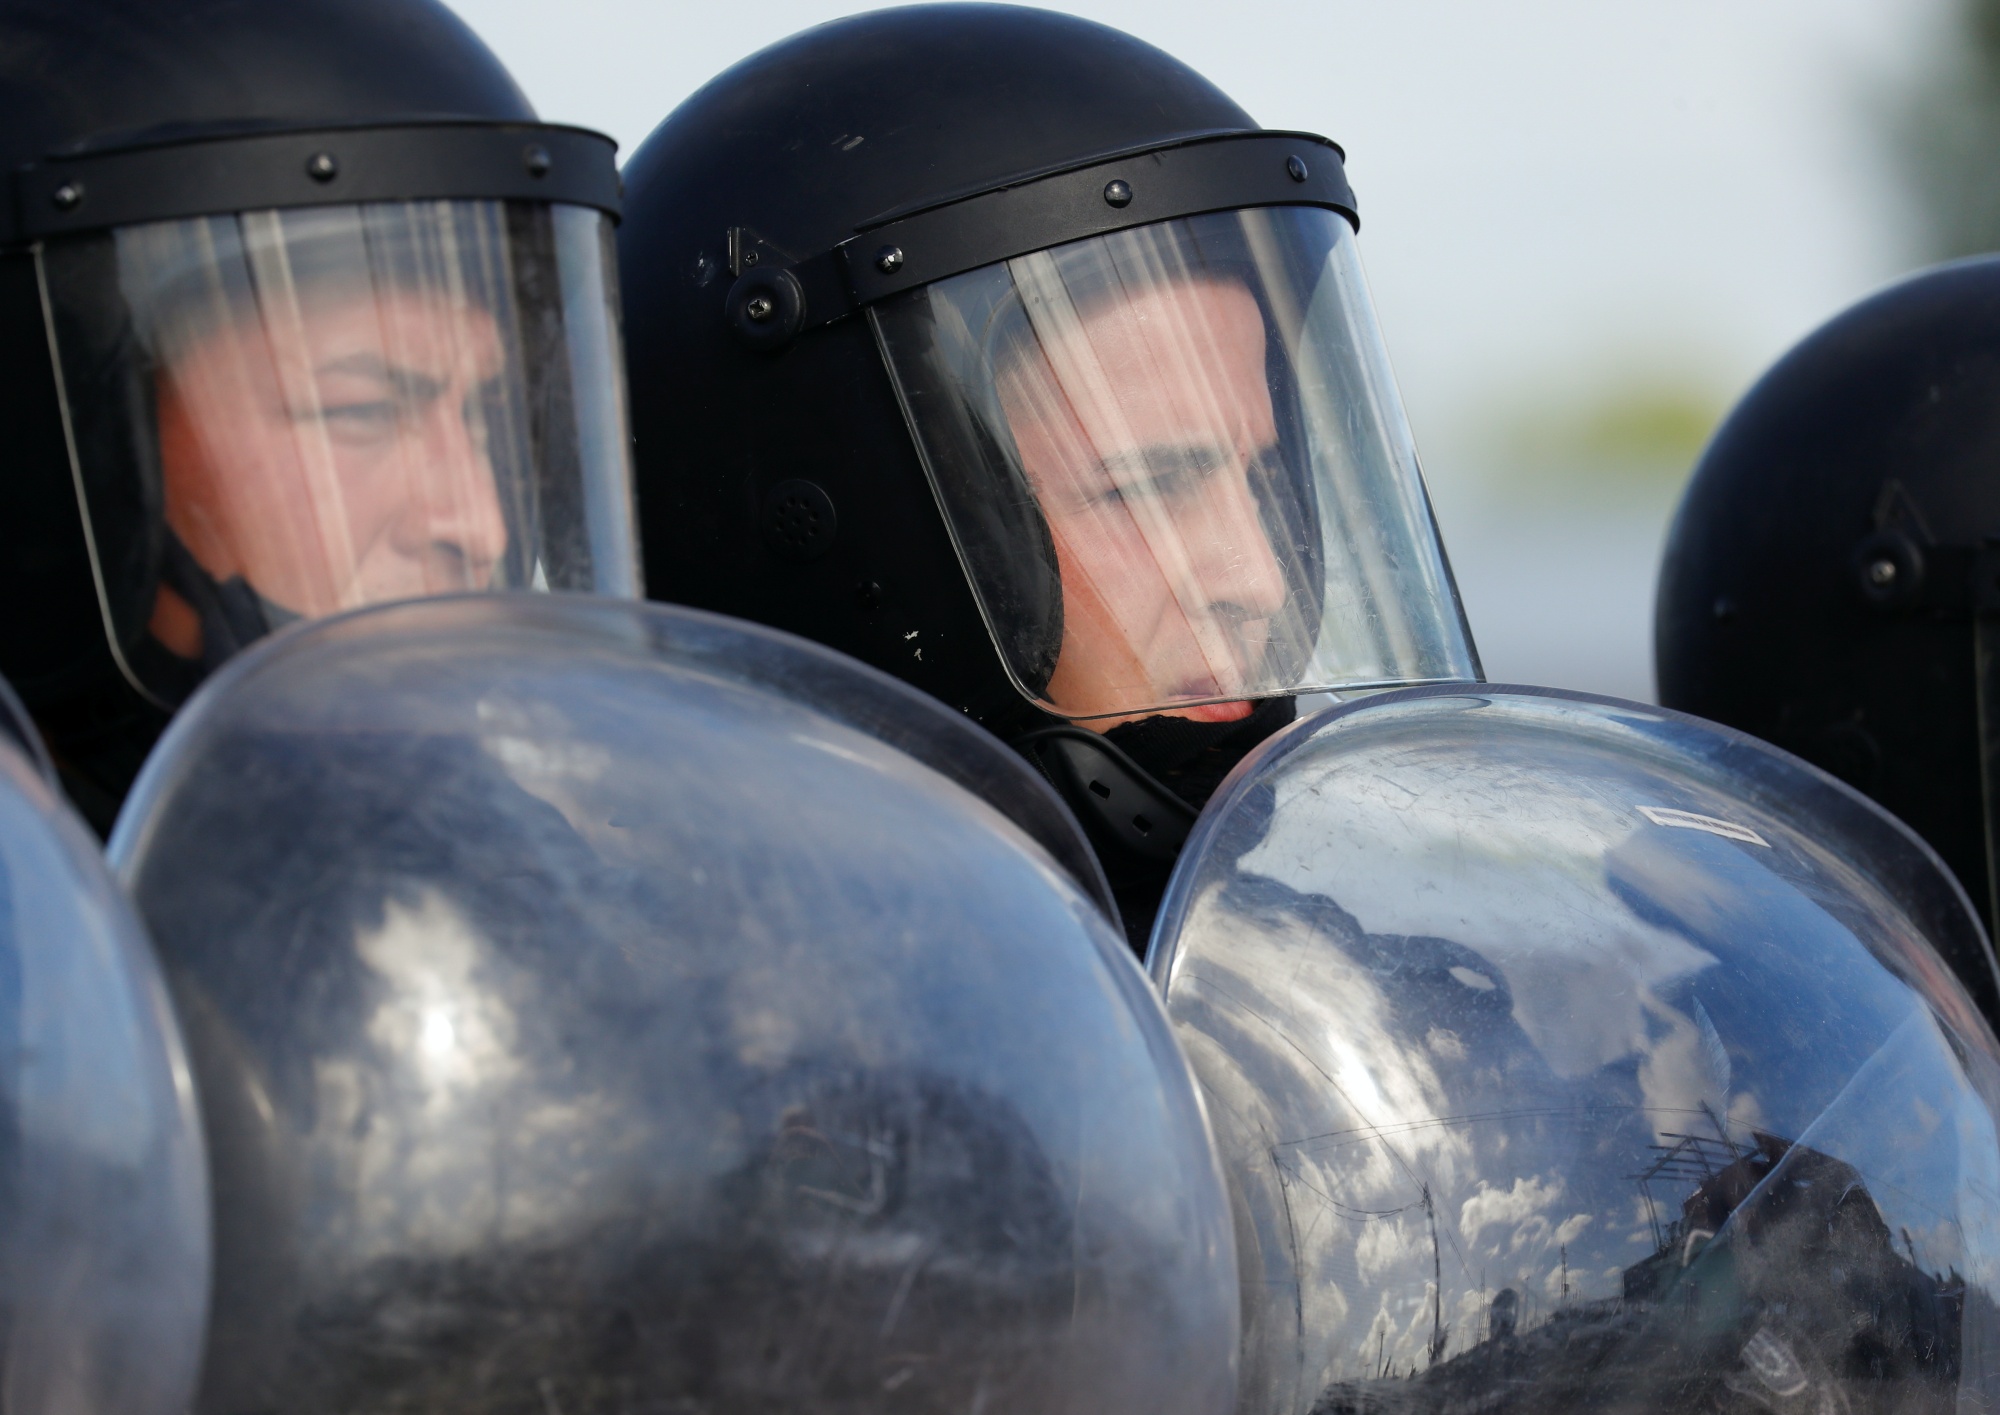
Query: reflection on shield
[(593, 1013), (1531, 1099), (104, 1204)]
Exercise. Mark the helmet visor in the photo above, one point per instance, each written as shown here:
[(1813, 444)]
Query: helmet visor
[(278, 415), (1176, 469)]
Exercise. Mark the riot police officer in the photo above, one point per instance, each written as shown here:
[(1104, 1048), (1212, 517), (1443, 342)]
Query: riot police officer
[(1829, 583), (303, 310), (1006, 353)]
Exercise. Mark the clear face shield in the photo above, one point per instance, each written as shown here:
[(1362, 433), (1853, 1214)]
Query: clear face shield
[(282, 414), (1174, 463)]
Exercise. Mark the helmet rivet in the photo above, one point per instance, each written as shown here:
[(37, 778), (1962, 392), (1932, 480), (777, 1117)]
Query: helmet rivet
[(1882, 572), (68, 196), (1118, 192), (536, 159), (322, 167), (1296, 166), (759, 307), (889, 259)]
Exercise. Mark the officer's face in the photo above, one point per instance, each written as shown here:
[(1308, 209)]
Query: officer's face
[(338, 458), (1139, 433)]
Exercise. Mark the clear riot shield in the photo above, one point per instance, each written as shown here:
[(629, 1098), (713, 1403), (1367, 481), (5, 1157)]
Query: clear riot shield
[(1572, 1055), (104, 1223), (594, 1013), (17, 729)]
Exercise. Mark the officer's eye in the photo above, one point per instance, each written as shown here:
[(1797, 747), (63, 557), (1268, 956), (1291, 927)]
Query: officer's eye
[(1159, 473), (376, 411), (362, 422), (363, 400)]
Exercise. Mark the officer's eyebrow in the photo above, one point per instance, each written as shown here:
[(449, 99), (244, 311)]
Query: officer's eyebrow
[(405, 382), (1152, 458)]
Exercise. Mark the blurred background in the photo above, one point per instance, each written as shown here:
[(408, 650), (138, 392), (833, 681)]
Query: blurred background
[(1589, 226)]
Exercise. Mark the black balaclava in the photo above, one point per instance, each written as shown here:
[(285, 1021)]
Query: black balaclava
[(1138, 787), (233, 615), (105, 737)]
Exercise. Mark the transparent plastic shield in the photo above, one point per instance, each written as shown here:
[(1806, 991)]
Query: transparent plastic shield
[(284, 414), (104, 1222), (587, 1023), (1176, 468), (18, 729), (1570, 1055)]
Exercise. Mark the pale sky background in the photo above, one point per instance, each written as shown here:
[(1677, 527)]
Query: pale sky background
[(1563, 202)]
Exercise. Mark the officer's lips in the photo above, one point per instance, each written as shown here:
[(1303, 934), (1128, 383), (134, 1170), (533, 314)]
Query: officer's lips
[(1216, 712), (1208, 712)]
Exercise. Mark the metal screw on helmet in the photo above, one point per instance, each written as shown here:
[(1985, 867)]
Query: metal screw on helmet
[(889, 259), (1118, 192), (766, 308), (322, 167), (536, 159), (68, 196), (1296, 167), (1889, 569)]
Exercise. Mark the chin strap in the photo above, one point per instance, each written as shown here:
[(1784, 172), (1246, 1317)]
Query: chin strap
[(1124, 809), (1138, 788), (233, 615), (1191, 758)]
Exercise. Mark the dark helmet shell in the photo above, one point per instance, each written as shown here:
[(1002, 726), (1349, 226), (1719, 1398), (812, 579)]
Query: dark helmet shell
[(80, 74), (801, 144), (1873, 443)]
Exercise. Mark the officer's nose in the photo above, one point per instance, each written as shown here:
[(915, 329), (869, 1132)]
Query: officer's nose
[(1235, 561), (454, 522)]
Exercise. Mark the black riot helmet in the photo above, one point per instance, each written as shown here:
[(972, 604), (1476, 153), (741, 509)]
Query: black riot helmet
[(301, 308), (1004, 352), (1829, 583)]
